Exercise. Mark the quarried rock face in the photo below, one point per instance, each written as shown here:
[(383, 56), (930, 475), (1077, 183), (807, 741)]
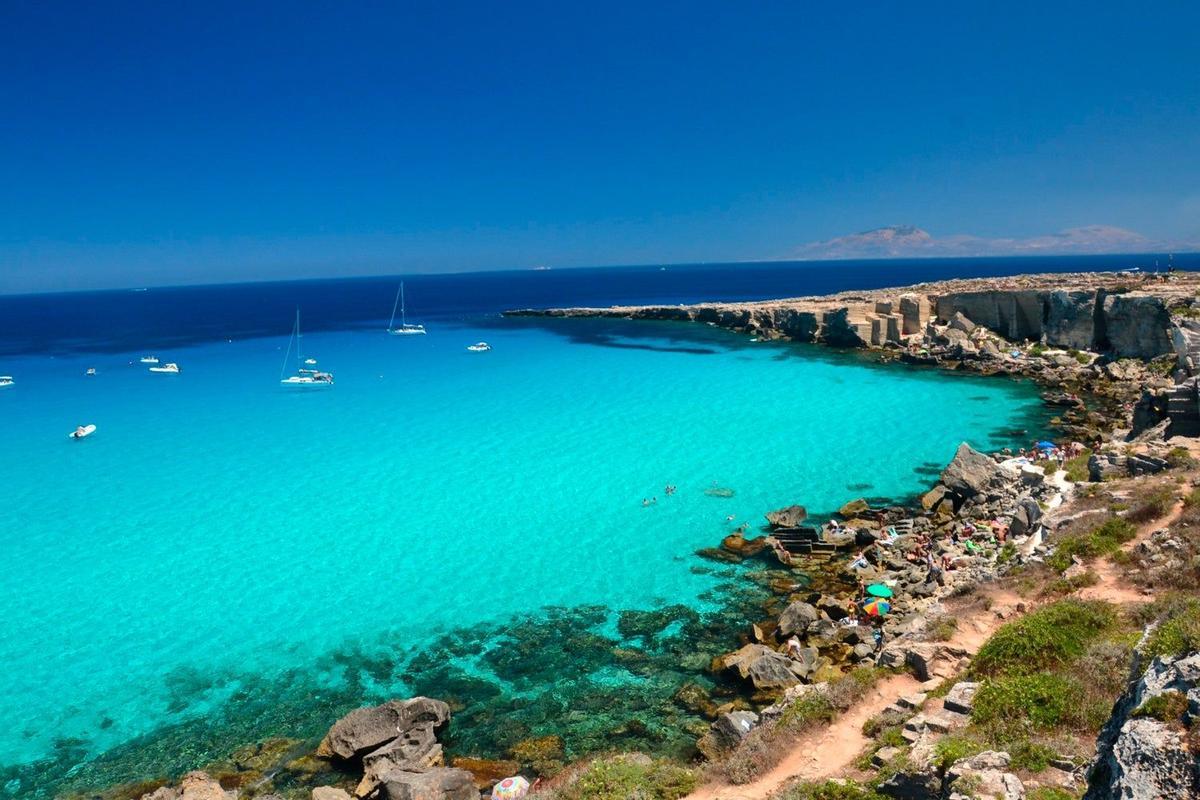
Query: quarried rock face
[(1145, 756), (1071, 319), (1136, 326)]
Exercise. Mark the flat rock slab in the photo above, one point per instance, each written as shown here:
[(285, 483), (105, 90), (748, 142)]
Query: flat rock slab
[(961, 697)]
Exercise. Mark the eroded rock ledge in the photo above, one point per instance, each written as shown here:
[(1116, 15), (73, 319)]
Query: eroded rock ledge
[(1125, 315)]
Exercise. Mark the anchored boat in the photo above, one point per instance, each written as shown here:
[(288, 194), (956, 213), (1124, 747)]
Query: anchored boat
[(82, 432), (304, 377), (406, 328)]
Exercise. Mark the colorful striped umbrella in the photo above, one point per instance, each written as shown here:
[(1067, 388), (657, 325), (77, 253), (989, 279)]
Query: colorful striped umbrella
[(879, 590), (509, 788), (877, 608)]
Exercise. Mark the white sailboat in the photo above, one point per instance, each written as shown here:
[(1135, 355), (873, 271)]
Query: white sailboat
[(405, 329), (304, 377)]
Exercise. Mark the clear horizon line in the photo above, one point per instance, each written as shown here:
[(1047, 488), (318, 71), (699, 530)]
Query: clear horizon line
[(539, 268)]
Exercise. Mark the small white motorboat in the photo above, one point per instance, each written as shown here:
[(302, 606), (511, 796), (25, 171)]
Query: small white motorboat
[(91, 371), (312, 362), (479, 347), (149, 359), (6, 381), (170, 368), (82, 432)]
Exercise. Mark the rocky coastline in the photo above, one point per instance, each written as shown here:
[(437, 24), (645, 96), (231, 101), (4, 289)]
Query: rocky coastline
[(1117, 353)]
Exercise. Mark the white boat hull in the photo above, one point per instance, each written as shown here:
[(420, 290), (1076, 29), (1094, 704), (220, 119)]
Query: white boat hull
[(407, 331), (6, 382), (87, 431)]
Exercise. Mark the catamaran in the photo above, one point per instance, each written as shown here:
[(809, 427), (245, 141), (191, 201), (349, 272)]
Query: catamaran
[(304, 377), (405, 329)]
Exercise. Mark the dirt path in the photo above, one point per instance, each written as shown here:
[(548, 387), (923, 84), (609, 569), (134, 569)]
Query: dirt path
[(831, 751), (1111, 584)]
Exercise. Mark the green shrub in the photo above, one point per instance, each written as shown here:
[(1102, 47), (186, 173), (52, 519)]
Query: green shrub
[(1037, 349), (1050, 793), (941, 628), (1177, 635), (1048, 637), (1046, 701), (1101, 540), (809, 709), (1030, 756), (1152, 506), (952, 747), (622, 777), (829, 790), (1180, 457), (1077, 468), (1165, 707)]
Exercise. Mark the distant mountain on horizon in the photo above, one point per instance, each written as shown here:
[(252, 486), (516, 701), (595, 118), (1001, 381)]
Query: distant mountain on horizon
[(909, 241)]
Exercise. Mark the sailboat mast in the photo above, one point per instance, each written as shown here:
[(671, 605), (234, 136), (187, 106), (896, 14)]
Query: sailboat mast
[(403, 316), (392, 321), (288, 352)]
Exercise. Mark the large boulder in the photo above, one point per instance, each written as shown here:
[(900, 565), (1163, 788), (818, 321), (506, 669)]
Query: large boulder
[(1143, 754), (854, 508), (1026, 517), (444, 783), (960, 322), (765, 668), (730, 728), (192, 786), (797, 617), (367, 729), (970, 473), (790, 517), (985, 775)]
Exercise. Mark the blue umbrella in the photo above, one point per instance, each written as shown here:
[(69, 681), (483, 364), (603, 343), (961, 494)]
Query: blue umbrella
[(1046, 445)]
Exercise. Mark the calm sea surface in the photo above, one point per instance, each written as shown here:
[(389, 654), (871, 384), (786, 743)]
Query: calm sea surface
[(226, 560)]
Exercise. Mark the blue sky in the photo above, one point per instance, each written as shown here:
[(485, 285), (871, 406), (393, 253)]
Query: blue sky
[(180, 143)]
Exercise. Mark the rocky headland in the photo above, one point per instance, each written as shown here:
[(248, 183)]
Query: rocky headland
[(1043, 626)]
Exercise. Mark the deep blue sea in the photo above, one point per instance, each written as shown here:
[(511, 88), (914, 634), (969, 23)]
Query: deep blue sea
[(226, 560)]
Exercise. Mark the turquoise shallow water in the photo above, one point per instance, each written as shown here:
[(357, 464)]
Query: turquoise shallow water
[(218, 525)]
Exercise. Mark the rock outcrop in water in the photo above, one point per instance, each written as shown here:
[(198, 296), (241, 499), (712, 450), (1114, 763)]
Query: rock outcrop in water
[(397, 745)]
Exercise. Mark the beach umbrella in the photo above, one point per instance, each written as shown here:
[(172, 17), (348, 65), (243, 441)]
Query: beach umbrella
[(879, 590), (877, 608), (508, 788), (1044, 445)]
